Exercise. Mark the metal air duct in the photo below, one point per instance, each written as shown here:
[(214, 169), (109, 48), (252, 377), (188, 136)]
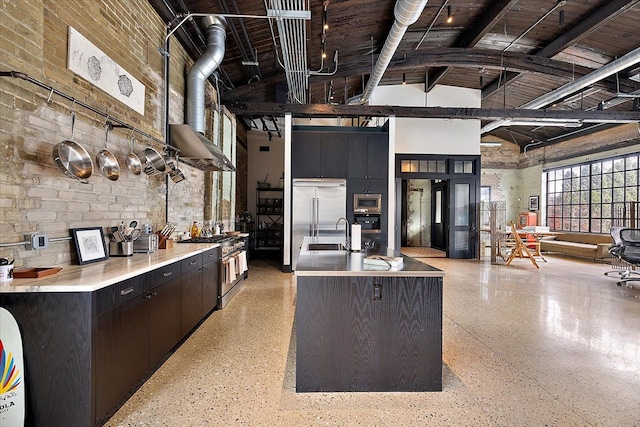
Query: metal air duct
[(406, 13), (626, 61), (195, 149)]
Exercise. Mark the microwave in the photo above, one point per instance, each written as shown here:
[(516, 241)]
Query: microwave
[(368, 203)]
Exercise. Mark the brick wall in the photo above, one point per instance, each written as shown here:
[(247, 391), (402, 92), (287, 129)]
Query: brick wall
[(34, 194)]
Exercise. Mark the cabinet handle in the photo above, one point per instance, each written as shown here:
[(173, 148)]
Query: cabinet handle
[(126, 291), (167, 273), (150, 295), (203, 268), (193, 262)]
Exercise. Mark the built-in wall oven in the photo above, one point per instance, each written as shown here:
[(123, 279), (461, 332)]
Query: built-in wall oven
[(367, 203)]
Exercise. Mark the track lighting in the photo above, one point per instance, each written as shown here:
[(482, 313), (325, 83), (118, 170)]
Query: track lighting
[(449, 15), (404, 79)]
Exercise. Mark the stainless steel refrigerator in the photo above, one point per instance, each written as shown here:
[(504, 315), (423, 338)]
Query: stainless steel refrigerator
[(317, 206)]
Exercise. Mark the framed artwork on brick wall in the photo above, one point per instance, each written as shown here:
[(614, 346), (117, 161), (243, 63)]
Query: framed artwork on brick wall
[(533, 203), (90, 244)]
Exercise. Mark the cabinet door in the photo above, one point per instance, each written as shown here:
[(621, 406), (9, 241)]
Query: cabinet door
[(305, 155), (164, 319), (334, 156), (210, 286), (378, 157), (191, 299), (358, 152), (122, 347)]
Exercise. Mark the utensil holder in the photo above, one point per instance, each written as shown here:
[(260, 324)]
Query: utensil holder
[(120, 249)]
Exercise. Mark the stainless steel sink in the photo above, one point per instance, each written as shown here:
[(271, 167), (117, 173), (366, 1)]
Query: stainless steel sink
[(326, 247)]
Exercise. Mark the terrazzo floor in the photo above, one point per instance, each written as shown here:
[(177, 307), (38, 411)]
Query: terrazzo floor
[(558, 346)]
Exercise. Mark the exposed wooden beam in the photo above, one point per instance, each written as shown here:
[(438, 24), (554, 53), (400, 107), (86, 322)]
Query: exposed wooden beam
[(586, 26), (328, 110), (476, 32), (454, 57)]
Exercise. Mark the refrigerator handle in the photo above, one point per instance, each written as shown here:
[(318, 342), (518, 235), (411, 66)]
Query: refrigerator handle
[(317, 216), (312, 224)]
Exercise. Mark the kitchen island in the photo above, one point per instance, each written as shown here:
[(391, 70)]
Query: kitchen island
[(366, 328)]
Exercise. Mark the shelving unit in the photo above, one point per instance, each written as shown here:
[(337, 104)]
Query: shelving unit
[(269, 219)]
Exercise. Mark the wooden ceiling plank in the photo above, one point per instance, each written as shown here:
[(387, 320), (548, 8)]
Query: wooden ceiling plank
[(476, 32), (594, 21)]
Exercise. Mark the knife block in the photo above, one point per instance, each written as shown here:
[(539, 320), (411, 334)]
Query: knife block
[(164, 242)]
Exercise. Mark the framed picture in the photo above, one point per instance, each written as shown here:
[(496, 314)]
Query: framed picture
[(90, 244), (533, 203)]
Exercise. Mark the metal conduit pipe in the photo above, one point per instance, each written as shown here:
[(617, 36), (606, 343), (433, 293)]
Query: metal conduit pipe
[(215, 27), (406, 13), (626, 61)]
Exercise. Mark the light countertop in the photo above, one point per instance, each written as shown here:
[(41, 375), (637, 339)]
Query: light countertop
[(94, 276), (345, 263)]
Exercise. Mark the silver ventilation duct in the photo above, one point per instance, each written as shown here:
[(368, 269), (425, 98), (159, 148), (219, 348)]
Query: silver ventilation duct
[(406, 13), (630, 59), (195, 149)]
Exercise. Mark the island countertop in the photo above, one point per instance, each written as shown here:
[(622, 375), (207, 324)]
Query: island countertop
[(91, 277), (345, 263)]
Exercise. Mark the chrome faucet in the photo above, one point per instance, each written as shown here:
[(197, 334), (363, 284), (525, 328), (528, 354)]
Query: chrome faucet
[(346, 230)]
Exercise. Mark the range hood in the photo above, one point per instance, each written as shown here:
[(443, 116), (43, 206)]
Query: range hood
[(195, 149), (198, 151)]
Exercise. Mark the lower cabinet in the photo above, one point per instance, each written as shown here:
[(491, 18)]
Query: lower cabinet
[(85, 352), (210, 280), (165, 314), (191, 293), (122, 344)]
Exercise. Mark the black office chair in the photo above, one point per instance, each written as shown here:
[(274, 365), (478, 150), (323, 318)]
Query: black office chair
[(616, 262), (628, 251)]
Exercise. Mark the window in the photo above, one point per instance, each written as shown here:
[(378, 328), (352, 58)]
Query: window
[(589, 197)]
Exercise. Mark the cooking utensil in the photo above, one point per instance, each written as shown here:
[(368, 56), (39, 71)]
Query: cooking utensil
[(134, 235), (107, 162), (155, 163), (72, 158), (133, 223), (175, 173), (133, 161)]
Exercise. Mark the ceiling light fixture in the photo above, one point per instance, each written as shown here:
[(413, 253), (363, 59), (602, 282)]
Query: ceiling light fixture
[(564, 124), (561, 18), (325, 18), (490, 144), (404, 79), (449, 15)]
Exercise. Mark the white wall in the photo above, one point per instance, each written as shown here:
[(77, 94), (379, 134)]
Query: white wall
[(263, 163), (432, 136)]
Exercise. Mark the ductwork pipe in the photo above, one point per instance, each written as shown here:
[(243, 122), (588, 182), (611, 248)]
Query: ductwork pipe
[(215, 28), (630, 59), (406, 13)]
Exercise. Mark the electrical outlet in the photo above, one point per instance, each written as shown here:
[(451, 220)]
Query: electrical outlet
[(39, 241), (377, 292)]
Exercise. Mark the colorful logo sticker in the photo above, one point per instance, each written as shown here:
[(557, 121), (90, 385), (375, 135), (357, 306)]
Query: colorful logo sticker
[(10, 376)]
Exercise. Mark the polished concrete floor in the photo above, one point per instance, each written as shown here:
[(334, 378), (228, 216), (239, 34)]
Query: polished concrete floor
[(558, 346)]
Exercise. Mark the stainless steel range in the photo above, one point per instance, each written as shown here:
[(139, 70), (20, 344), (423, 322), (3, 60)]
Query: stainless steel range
[(233, 264)]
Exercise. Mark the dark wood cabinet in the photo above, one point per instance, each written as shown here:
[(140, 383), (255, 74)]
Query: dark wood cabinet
[(94, 348), (369, 334), (122, 344), (368, 163), (192, 311), (165, 319), (318, 154), (210, 280)]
